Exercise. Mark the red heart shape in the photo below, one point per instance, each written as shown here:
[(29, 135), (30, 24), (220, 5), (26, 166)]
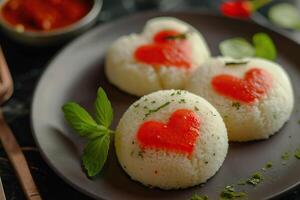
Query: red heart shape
[(179, 134), (253, 86), (165, 51)]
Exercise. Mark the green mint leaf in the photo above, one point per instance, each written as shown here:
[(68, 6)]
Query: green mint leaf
[(95, 155), (79, 119), (285, 15), (101, 131), (264, 46), (104, 110), (236, 48)]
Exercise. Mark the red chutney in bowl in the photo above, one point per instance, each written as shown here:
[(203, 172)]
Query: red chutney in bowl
[(44, 15)]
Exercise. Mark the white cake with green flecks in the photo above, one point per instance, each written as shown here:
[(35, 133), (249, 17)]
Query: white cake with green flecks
[(139, 78), (157, 157), (265, 114)]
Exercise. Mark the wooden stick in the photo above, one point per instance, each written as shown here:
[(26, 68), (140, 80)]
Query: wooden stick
[(8, 139), (18, 160), (2, 194), (6, 83)]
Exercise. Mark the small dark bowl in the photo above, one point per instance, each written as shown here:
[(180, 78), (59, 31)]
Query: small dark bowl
[(41, 38)]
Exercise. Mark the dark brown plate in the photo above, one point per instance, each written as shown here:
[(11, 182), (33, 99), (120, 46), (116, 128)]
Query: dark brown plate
[(77, 71)]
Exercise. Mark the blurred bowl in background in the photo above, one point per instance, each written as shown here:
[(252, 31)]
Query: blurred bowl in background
[(55, 36)]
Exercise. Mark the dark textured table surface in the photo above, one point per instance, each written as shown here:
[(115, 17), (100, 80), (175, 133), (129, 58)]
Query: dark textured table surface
[(27, 64)]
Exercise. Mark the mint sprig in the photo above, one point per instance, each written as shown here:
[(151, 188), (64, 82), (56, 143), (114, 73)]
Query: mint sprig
[(95, 130), (238, 48)]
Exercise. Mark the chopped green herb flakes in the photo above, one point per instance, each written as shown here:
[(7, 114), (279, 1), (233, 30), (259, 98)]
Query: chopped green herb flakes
[(255, 179), (285, 156), (235, 63), (269, 165), (297, 154), (156, 109), (230, 193), (182, 101), (237, 105), (181, 36)]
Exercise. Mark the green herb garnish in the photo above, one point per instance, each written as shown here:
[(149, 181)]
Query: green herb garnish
[(264, 46), (197, 197), (285, 156), (156, 109), (234, 63), (237, 105), (269, 165), (95, 130), (297, 154), (236, 48), (182, 101), (255, 179), (181, 36), (141, 154), (239, 48), (178, 92), (285, 15), (230, 193)]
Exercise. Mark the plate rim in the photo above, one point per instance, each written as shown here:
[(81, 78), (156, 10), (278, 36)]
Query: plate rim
[(107, 25)]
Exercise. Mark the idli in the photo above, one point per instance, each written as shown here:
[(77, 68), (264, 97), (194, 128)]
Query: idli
[(254, 95), (162, 57), (171, 139)]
